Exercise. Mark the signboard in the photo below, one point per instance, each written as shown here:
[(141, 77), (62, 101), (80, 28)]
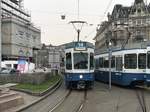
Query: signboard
[(80, 46), (21, 65)]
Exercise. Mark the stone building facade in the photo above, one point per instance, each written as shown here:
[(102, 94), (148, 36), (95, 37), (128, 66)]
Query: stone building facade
[(125, 27), (51, 57), (20, 38)]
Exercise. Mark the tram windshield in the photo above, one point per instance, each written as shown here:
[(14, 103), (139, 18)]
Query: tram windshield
[(80, 60), (148, 59)]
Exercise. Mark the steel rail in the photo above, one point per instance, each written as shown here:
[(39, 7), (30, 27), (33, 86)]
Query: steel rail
[(60, 102), (51, 92), (141, 99), (82, 104)]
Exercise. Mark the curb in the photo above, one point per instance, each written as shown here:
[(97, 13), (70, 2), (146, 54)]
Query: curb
[(53, 89), (38, 93)]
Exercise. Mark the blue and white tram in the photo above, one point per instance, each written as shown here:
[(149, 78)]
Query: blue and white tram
[(79, 65), (127, 67), (148, 66)]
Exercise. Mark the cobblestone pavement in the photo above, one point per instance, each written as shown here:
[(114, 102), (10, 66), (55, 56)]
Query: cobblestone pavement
[(118, 99)]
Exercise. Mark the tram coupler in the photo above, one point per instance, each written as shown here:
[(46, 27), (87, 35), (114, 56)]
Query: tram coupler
[(81, 85)]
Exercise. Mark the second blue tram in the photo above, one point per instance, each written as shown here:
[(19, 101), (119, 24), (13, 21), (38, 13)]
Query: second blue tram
[(79, 66), (128, 66)]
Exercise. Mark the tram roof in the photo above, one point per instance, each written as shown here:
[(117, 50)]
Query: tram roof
[(73, 44)]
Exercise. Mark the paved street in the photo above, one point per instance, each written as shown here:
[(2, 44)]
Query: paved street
[(100, 98), (118, 99)]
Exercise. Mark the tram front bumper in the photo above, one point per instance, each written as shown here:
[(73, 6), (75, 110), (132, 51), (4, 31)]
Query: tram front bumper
[(79, 76)]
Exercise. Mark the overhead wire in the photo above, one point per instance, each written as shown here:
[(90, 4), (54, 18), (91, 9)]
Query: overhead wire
[(78, 15), (105, 12), (108, 6)]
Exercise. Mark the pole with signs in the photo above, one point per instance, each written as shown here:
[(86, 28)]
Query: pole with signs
[(110, 55), (28, 59), (0, 33)]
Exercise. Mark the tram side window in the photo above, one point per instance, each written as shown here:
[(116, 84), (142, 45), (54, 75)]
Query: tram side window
[(91, 61), (119, 63), (106, 63), (142, 61), (68, 61), (101, 62), (113, 62), (130, 61), (148, 59), (96, 63)]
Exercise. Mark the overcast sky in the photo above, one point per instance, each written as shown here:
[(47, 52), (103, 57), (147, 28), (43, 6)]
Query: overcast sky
[(47, 15)]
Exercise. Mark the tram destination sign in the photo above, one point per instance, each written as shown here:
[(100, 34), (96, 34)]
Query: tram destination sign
[(80, 46)]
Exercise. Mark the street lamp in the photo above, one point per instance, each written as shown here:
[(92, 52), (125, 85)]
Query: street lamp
[(63, 17), (110, 55)]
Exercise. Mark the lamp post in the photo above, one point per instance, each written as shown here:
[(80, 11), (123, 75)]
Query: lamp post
[(28, 56), (36, 60), (1, 33), (110, 55)]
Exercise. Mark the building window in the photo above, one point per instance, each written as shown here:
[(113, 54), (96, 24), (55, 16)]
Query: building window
[(134, 22), (21, 33), (139, 11), (28, 35), (130, 61), (143, 21), (148, 20), (34, 38), (142, 61), (139, 22)]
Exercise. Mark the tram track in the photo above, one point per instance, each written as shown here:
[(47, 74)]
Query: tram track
[(48, 102), (141, 99), (60, 102), (80, 107), (73, 102)]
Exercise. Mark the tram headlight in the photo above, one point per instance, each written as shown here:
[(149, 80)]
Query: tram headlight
[(81, 76)]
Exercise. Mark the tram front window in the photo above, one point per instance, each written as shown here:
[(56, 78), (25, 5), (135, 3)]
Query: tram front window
[(81, 60), (148, 59), (68, 61), (91, 61)]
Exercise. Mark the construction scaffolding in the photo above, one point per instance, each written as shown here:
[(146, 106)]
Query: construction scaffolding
[(14, 9)]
